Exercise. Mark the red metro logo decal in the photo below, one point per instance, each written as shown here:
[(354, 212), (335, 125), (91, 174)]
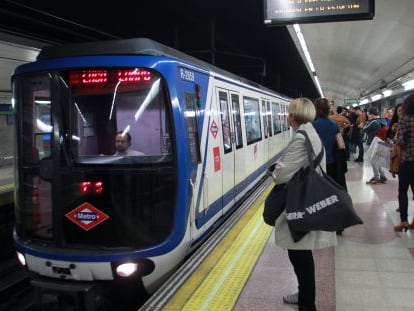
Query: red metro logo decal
[(214, 129), (86, 216)]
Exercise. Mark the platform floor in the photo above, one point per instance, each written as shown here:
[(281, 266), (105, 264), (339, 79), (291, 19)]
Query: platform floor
[(372, 268), (6, 176)]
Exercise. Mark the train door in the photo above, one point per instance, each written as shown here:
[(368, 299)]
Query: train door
[(239, 155), (228, 160), (264, 122)]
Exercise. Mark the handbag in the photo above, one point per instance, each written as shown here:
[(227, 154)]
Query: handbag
[(274, 204), (395, 159), (316, 202)]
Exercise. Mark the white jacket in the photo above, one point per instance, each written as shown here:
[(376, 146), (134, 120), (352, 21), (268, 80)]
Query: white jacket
[(293, 159)]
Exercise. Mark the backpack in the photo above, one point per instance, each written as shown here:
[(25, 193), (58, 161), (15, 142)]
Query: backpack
[(382, 132)]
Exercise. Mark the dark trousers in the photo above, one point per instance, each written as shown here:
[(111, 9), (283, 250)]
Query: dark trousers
[(347, 147), (304, 267), (360, 144), (405, 179), (337, 170)]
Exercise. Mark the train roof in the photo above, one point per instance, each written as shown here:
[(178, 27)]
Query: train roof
[(142, 46)]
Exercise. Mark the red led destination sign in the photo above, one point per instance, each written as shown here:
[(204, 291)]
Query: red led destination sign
[(104, 77), (280, 12)]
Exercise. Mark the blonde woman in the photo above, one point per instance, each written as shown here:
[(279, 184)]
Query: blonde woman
[(301, 114)]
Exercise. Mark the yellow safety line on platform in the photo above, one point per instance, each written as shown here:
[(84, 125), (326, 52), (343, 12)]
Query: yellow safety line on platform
[(6, 187), (220, 279)]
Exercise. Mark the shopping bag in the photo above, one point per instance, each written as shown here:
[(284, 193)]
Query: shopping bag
[(372, 147), (317, 202), (380, 154)]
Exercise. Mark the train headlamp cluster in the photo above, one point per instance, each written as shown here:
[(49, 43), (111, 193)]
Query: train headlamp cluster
[(126, 269), (132, 268), (21, 258)]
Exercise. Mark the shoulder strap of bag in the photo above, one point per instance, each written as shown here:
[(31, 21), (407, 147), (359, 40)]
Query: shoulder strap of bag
[(311, 152)]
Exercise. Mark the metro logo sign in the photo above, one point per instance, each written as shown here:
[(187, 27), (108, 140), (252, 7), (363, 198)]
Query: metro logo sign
[(87, 216), (214, 129)]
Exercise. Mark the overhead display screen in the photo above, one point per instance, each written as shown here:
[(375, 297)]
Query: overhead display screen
[(281, 12)]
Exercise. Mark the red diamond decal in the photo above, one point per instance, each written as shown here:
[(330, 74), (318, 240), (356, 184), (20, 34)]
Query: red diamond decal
[(86, 216), (214, 129)]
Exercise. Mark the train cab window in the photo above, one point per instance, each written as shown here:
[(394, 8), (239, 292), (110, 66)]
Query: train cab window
[(252, 119), (130, 102), (34, 111), (276, 115), (225, 121), (237, 120), (191, 120), (37, 119)]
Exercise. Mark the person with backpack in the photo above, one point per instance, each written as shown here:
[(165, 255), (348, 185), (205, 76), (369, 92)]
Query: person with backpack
[(376, 127)]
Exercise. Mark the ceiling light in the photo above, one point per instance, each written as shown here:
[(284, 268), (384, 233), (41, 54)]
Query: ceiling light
[(408, 85), (307, 56), (387, 93), (376, 97)]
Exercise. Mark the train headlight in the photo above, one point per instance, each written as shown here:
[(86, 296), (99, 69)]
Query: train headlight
[(126, 269), (21, 258)]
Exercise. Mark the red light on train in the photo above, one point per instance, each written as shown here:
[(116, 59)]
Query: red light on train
[(83, 77), (91, 187), (135, 75)]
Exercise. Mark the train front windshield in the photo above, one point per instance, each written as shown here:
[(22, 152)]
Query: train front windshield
[(95, 158)]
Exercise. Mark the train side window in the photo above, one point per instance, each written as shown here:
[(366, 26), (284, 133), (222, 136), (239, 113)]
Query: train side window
[(225, 121), (269, 119), (237, 120), (276, 118), (190, 114), (252, 119), (266, 134), (284, 118)]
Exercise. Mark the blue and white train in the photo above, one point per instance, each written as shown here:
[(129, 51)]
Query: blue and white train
[(89, 221)]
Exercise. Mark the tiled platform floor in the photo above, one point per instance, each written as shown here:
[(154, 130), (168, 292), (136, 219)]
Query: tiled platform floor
[(372, 268)]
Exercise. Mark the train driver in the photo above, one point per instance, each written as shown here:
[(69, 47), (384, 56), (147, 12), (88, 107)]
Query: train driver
[(123, 144)]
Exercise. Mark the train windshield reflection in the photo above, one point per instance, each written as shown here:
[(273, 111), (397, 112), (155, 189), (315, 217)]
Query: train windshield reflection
[(111, 105)]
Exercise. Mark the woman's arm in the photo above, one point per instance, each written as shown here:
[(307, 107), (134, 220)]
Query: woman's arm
[(294, 158)]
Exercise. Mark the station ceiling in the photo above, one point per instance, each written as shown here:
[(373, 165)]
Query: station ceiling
[(357, 58), (352, 58)]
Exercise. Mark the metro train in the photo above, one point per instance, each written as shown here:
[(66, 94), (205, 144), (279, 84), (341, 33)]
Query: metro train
[(90, 221)]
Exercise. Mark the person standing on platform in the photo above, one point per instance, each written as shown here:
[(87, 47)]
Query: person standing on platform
[(301, 114), (331, 136), (344, 126), (392, 136), (358, 133), (376, 127), (406, 172), (389, 113), (352, 118)]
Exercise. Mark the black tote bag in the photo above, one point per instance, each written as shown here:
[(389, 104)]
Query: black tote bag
[(317, 202), (275, 204)]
